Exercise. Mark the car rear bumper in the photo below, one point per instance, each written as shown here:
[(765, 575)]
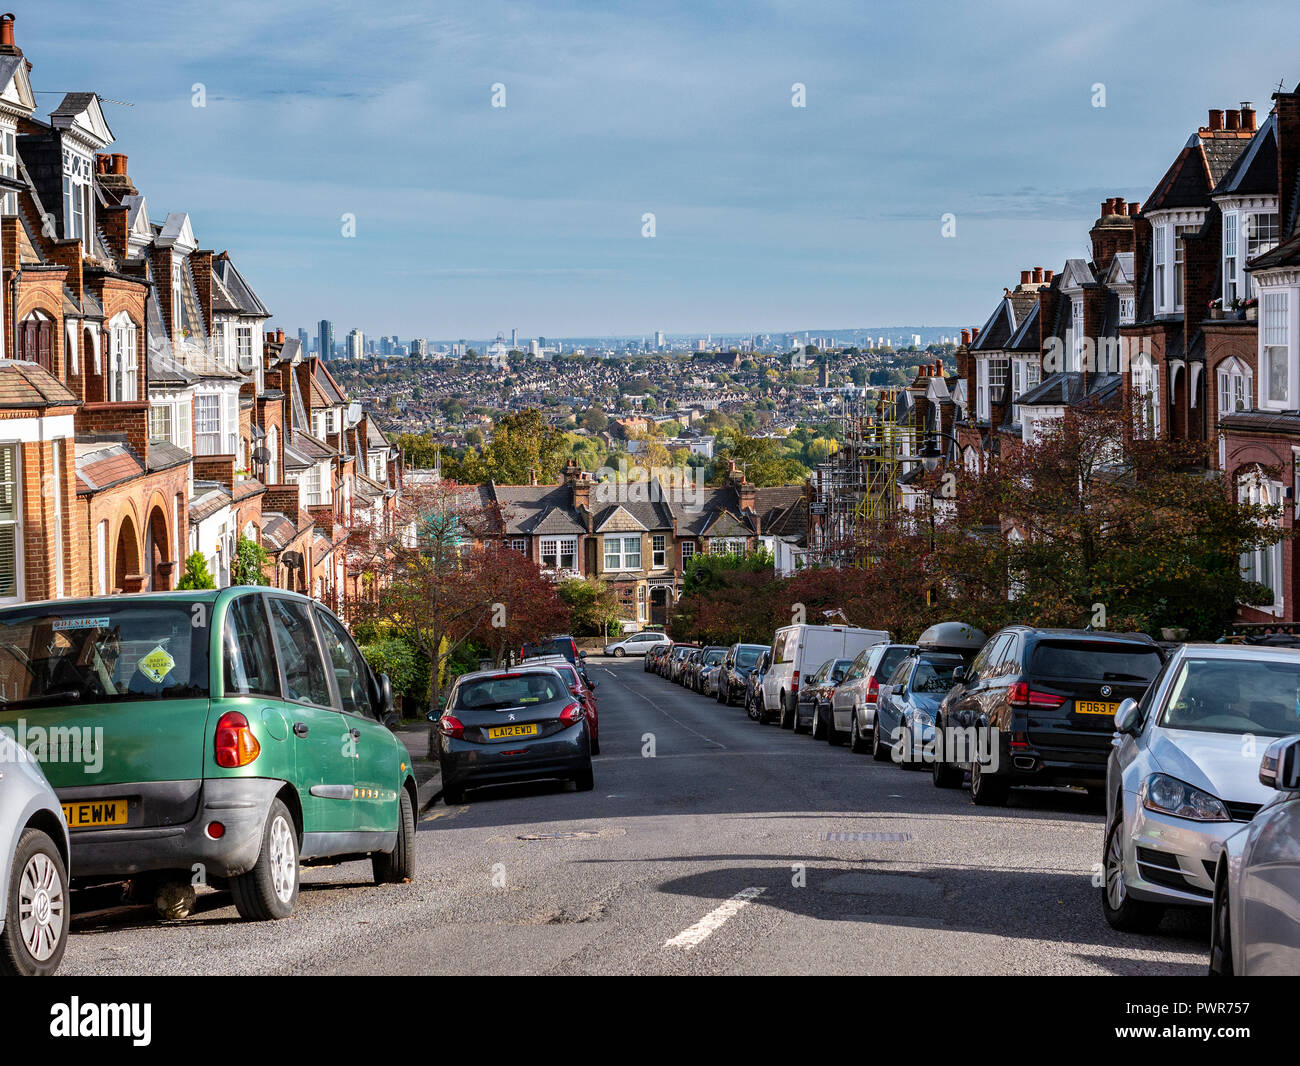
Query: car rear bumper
[(240, 804), (465, 763)]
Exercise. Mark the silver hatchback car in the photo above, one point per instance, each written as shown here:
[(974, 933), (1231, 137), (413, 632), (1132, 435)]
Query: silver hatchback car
[(1183, 775), (34, 912)]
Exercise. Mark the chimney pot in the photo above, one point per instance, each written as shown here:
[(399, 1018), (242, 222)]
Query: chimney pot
[(1216, 118), (1247, 115), (1134, 208), (1107, 208), (279, 336), (7, 30), (1038, 275), (974, 333), (1232, 120), (965, 336), (1047, 276), (119, 163), (1024, 277)]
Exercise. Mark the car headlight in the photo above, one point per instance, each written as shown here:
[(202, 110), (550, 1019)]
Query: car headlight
[(922, 718), (1168, 795)]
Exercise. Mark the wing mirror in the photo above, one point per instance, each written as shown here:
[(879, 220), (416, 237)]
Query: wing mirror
[(591, 684), (1128, 717), (959, 674), (1280, 767)]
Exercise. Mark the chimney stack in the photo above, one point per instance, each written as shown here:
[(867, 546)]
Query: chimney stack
[(1247, 115), (1232, 120), (1216, 118)]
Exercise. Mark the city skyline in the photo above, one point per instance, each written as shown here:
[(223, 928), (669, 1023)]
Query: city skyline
[(764, 212)]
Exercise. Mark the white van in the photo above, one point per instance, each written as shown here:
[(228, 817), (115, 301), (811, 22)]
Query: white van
[(798, 650)]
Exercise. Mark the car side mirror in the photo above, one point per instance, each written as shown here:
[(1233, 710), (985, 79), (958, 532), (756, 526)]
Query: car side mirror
[(591, 684), (1128, 717), (582, 655), (959, 674), (1280, 767), (385, 695)]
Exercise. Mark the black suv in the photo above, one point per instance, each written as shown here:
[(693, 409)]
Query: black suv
[(1037, 707), (736, 667)]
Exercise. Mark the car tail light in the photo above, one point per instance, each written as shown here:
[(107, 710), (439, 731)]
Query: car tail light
[(572, 714), (1021, 695), (873, 690), (794, 681), (235, 743), (1020, 740), (451, 726)]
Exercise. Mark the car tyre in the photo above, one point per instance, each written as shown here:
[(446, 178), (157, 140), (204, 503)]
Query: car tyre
[(1221, 930), (453, 797), (397, 866), (856, 744), (833, 736), (269, 891), (787, 716), (818, 728), (987, 790), (585, 781), (942, 772), (38, 888), (1122, 911), (619, 653), (880, 751)]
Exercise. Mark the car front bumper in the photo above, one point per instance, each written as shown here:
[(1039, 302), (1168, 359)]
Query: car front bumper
[(1169, 859), (240, 804)]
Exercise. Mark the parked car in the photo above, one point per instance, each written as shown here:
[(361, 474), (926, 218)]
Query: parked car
[(853, 702), (1255, 930), (739, 662), (677, 661), (238, 732), (518, 724), (34, 855), (559, 645), (905, 710), (653, 654), (1038, 708), (637, 643), (754, 688), (798, 650), (1177, 785), (581, 687), (813, 704), (709, 658)]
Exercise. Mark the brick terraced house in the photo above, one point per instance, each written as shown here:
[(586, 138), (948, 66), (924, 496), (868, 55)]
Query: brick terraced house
[(146, 412)]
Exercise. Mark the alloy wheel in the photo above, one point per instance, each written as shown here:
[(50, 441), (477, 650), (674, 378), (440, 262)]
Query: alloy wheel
[(284, 860), (41, 907)]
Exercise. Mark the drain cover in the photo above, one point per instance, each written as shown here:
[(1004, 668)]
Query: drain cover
[(875, 838)]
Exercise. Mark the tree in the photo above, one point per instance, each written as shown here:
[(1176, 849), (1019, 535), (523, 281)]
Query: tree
[(727, 599), (196, 574), (761, 458), (593, 607), (524, 445), (251, 561)]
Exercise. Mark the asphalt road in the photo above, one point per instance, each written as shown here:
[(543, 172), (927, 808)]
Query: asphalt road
[(711, 857)]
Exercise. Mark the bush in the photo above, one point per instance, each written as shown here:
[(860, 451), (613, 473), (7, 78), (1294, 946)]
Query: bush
[(250, 562), (196, 573), (407, 669)]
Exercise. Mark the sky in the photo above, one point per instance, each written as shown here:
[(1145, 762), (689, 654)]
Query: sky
[(470, 219)]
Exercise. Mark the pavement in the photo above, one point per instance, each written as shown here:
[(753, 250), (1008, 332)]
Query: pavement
[(710, 845)]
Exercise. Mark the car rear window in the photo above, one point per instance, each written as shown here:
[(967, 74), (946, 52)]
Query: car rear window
[(891, 659), (934, 677), (549, 647), (102, 652), (747, 657), (506, 690), (1099, 660)]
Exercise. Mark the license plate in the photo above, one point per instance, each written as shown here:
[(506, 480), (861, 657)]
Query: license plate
[(93, 813), (499, 731), (1095, 707)]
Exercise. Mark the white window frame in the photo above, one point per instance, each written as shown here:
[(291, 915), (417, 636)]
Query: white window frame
[(207, 423), (625, 553), (1235, 386), (123, 359), (1276, 329), (1160, 255), (559, 549), (659, 550), (1263, 564), (12, 519)]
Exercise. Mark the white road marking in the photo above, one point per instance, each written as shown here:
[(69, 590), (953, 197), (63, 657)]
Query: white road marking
[(714, 920)]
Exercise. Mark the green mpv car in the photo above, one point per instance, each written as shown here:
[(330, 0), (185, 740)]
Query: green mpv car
[(210, 737)]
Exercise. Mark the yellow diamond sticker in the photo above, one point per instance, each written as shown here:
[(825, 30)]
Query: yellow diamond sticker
[(156, 665)]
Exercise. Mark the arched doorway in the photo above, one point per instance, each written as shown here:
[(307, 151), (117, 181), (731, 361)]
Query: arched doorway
[(126, 559), (159, 567)]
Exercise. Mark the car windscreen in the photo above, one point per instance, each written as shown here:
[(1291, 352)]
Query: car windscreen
[(1095, 660), (507, 690), (102, 652), (1235, 696), (715, 656), (549, 647), (747, 657)]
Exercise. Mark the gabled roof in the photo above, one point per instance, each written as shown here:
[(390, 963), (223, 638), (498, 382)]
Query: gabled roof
[(15, 85), (1203, 162), (1254, 172), (239, 289), (81, 115)]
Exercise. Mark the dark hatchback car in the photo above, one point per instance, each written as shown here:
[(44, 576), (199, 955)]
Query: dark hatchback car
[(814, 703), (1037, 707), (739, 663), (709, 657), (511, 725), (673, 665), (754, 688)]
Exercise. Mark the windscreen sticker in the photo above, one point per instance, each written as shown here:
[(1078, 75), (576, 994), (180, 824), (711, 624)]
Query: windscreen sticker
[(156, 665), (82, 623)]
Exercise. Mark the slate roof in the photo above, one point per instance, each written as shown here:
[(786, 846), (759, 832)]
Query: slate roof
[(1203, 162), (164, 454), (524, 507), (1067, 390), (24, 384), (240, 291), (1254, 172), (102, 464)]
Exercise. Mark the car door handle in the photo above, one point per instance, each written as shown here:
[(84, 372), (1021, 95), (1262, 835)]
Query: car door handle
[(300, 729)]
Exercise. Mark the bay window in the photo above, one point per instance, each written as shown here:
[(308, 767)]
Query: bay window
[(1229, 258), (160, 422), (1079, 346), (207, 424), (1275, 355), (123, 359), (1158, 247), (560, 553), (9, 168), (623, 553), (1234, 386), (1263, 563)]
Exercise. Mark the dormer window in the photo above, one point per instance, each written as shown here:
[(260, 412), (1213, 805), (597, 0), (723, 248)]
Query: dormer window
[(78, 197)]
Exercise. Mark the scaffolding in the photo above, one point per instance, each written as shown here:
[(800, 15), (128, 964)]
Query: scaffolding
[(859, 486)]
